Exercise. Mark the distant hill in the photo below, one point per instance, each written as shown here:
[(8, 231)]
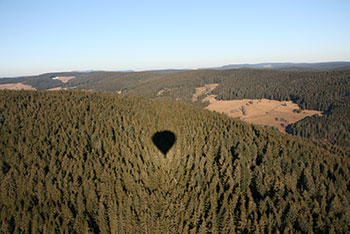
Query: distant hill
[(289, 66), (165, 71)]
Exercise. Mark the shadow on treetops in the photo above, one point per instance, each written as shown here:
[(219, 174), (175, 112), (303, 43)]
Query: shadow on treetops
[(164, 140)]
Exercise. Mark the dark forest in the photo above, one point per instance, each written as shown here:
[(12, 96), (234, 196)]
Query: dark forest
[(83, 162)]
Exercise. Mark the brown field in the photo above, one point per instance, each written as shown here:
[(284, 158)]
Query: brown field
[(203, 90), (64, 79), (16, 86), (265, 112)]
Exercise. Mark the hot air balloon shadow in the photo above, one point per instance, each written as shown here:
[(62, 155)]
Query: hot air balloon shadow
[(164, 140)]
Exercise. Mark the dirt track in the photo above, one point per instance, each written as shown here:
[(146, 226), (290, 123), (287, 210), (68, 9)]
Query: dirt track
[(57, 88)]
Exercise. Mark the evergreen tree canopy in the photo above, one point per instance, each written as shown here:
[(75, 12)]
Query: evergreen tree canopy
[(83, 162)]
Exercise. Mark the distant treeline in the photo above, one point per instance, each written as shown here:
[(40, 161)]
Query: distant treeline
[(80, 162)]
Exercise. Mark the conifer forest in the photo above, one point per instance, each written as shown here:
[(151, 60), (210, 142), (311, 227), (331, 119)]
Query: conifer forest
[(101, 162)]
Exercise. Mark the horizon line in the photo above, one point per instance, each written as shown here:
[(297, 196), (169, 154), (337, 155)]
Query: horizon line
[(164, 69)]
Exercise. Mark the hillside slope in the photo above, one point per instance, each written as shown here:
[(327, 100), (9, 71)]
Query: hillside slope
[(325, 91), (86, 163)]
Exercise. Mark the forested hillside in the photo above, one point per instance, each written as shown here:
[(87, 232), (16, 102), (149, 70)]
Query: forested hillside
[(326, 91), (82, 162), (43, 81)]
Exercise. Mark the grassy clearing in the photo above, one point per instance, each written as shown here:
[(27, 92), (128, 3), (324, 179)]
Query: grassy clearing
[(272, 113)]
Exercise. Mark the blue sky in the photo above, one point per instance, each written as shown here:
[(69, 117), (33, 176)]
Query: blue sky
[(40, 36)]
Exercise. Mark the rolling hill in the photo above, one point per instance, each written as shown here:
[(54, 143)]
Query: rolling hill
[(290, 66)]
